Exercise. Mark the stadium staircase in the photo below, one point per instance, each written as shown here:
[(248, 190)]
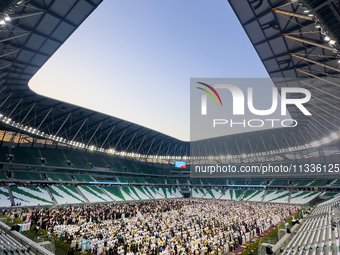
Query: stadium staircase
[(264, 195), (83, 196), (51, 195)]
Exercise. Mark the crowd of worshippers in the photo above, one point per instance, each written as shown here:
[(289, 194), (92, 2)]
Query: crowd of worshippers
[(179, 226)]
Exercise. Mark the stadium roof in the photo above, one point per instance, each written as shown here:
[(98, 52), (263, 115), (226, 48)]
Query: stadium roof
[(36, 31), (298, 43), (294, 39)]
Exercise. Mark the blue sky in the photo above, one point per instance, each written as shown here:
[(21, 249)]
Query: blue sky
[(133, 59)]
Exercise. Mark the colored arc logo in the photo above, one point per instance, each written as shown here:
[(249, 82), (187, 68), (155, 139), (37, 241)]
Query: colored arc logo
[(209, 93)]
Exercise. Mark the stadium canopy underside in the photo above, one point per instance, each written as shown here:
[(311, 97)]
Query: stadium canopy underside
[(294, 39)]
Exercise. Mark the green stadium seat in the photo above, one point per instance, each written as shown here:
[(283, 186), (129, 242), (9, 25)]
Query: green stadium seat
[(3, 174), (95, 159), (206, 181), (239, 182), (183, 181), (279, 182), (23, 175), (3, 152), (248, 193), (257, 182), (54, 157), (83, 178), (303, 182), (59, 177), (163, 181), (137, 180), (219, 182), (151, 180), (330, 194), (66, 194), (319, 182), (195, 182), (112, 161), (77, 159), (94, 194), (128, 166), (26, 155), (238, 193), (123, 179), (114, 192), (336, 183), (31, 195)]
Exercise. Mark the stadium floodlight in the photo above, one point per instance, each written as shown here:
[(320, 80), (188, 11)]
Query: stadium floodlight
[(8, 18), (310, 15), (317, 26), (331, 42), (2, 22), (334, 136), (327, 38)]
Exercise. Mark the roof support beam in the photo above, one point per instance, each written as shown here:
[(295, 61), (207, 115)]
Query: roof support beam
[(116, 146), (94, 133), (322, 125), (315, 62), (325, 102), (44, 118), (15, 108), (3, 102), (287, 53), (27, 114), (4, 66), (130, 142), (21, 16), (140, 144), (13, 37), (299, 26), (102, 146), (317, 77), (150, 146), (330, 94), (62, 124), (292, 14), (160, 146), (333, 115), (8, 53), (266, 12), (309, 42)]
